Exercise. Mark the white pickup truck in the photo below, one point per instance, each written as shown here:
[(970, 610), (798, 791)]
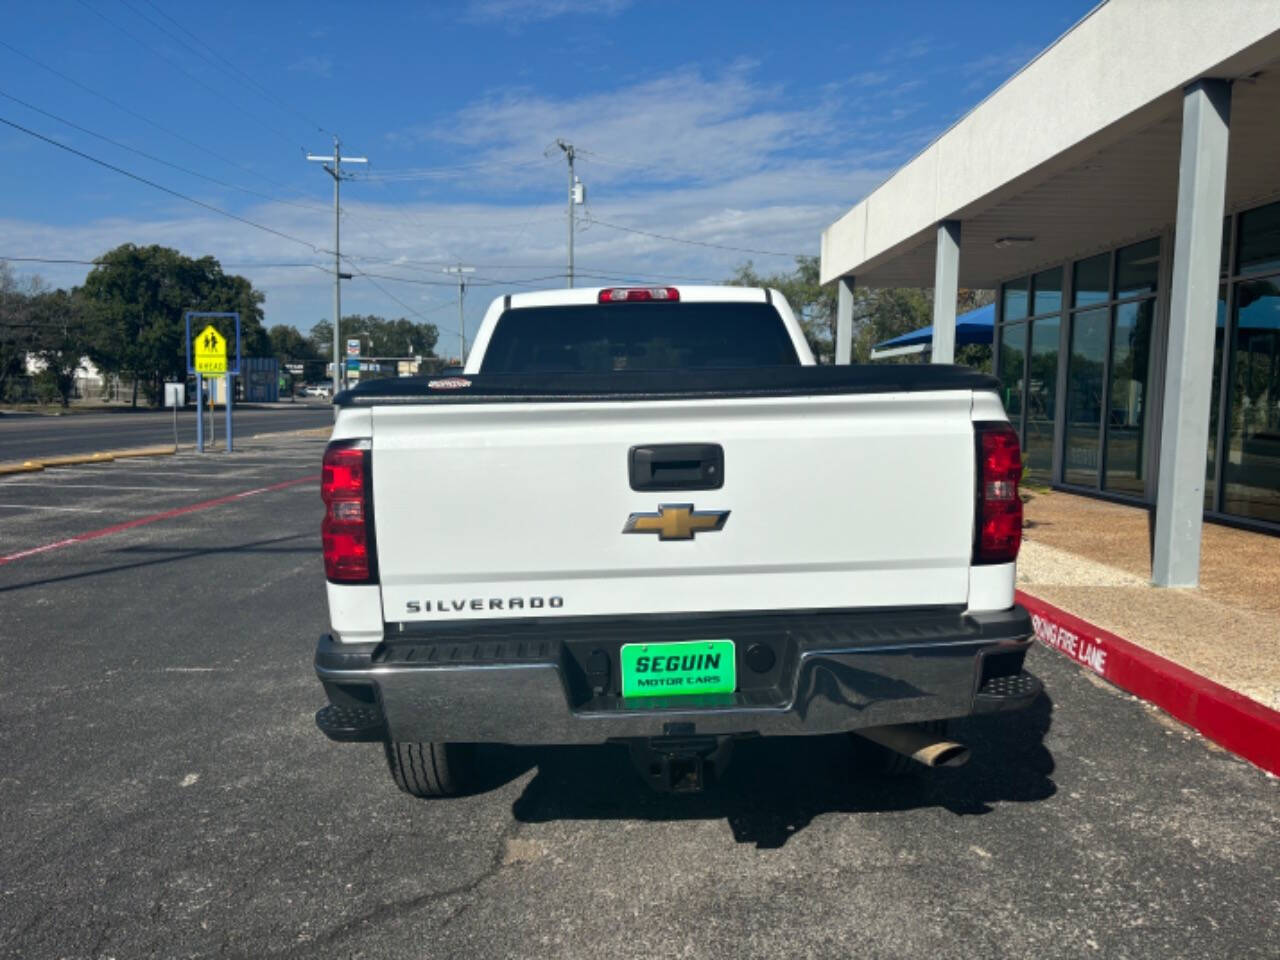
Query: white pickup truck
[(644, 515)]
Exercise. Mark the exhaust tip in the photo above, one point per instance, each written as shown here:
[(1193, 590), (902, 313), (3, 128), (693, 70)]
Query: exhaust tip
[(949, 754), (918, 744)]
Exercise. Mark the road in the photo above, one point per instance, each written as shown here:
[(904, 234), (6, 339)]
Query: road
[(23, 436), (165, 792)]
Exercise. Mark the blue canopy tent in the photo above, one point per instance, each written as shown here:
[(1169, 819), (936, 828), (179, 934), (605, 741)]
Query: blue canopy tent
[(976, 326)]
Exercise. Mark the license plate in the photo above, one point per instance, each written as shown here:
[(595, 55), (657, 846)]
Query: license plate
[(687, 666)]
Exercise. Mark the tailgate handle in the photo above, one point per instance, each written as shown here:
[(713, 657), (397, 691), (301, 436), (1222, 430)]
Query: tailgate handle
[(677, 466)]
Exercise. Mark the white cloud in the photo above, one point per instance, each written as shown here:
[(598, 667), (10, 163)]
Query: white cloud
[(680, 127), (515, 12), (721, 159)]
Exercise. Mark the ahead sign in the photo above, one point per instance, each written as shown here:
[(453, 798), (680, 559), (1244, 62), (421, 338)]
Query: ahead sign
[(210, 351)]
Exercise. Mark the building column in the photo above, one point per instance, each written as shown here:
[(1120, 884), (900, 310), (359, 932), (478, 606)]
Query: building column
[(844, 320), (1193, 296), (946, 280)]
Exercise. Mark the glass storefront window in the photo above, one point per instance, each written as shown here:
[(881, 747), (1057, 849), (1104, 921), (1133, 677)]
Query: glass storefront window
[(1013, 351), (1251, 471), (1137, 269), (1210, 481), (1091, 280), (1084, 396), (1015, 300), (1127, 416), (1046, 289), (1259, 240), (1042, 382)]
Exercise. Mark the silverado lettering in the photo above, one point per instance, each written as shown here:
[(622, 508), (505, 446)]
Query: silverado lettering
[(477, 603)]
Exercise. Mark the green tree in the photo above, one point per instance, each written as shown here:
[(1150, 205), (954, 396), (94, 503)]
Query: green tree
[(136, 298), (882, 314), (16, 329), (288, 345), (61, 337), (878, 314), (380, 337), (321, 337)]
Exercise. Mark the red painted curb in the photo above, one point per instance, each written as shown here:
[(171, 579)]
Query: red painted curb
[(1232, 720), (152, 518)]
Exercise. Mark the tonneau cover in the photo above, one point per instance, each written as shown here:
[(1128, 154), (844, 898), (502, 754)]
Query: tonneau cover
[(666, 384)]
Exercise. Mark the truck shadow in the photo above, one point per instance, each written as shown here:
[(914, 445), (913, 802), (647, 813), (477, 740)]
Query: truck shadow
[(775, 787)]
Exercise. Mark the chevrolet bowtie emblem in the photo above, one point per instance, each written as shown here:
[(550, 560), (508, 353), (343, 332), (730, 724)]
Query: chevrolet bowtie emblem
[(676, 521)]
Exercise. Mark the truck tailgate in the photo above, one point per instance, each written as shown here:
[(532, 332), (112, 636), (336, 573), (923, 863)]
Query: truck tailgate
[(514, 510)]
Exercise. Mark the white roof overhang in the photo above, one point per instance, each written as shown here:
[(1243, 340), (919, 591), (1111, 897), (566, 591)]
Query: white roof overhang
[(1079, 150)]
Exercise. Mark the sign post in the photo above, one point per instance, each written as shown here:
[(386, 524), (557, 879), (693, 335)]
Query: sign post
[(175, 395), (230, 399), (207, 355), (199, 413)]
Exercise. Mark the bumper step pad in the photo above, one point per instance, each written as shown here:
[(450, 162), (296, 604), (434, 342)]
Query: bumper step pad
[(351, 724), (1007, 693)]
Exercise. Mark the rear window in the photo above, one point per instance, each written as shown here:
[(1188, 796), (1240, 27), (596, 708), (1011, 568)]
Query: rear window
[(601, 338)]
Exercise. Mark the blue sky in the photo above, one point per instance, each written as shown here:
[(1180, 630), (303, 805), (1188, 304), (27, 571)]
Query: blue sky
[(741, 124)]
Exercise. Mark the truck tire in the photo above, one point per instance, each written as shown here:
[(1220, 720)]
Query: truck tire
[(427, 769), (876, 759)]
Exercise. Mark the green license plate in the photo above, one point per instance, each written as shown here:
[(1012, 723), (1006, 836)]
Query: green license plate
[(690, 666)]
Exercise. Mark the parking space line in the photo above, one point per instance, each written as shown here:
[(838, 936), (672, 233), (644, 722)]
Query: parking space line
[(155, 517), (210, 475), (44, 506), (96, 486)]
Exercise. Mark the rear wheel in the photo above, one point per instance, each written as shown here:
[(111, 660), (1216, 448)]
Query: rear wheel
[(428, 769), (876, 759)]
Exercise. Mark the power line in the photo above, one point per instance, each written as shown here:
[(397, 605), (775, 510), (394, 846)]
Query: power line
[(217, 93), (99, 262), (147, 120), (697, 243), (608, 273), (411, 174), (401, 218), (387, 293), (163, 189), (153, 158), (480, 281), (246, 78)]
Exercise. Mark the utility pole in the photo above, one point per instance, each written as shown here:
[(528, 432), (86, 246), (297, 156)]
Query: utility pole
[(577, 195), (335, 171), (461, 271)]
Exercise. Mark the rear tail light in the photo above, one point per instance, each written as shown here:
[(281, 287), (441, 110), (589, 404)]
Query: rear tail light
[(638, 294), (347, 531), (998, 514)]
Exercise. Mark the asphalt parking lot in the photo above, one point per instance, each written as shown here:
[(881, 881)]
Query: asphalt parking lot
[(165, 793)]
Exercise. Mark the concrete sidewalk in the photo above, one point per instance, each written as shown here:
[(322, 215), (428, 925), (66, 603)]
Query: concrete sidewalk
[(1092, 559)]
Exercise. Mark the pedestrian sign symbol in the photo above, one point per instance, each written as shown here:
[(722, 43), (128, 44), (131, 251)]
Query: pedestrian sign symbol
[(210, 351)]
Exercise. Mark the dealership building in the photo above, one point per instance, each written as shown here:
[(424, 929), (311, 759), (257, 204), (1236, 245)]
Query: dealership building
[(1122, 194)]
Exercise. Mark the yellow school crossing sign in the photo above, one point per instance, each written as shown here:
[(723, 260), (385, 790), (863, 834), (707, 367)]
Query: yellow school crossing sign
[(210, 351)]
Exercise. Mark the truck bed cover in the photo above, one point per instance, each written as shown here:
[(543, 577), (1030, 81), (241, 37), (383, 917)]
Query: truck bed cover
[(666, 384)]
